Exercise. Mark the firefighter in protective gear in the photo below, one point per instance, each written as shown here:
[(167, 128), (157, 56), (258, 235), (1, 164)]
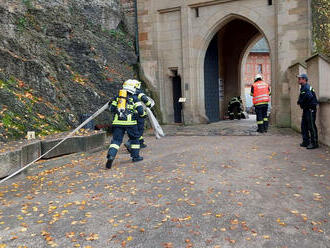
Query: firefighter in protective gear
[(235, 108), (261, 97), (140, 120), (308, 103), (126, 108)]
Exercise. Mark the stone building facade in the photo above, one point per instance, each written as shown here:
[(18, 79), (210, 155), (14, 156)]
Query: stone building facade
[(196, 48)]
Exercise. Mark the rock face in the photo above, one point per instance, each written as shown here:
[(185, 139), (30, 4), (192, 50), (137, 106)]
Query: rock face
[(60, 59)]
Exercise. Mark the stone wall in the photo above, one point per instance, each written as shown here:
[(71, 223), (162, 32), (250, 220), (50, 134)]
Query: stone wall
[(293, 45), (318, 71), (294, 89)]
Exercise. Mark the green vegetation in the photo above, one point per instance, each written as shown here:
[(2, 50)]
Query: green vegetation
[(16, 123), (321, 26), (122, 36), (21, 24), (12, 122), (7, 84)]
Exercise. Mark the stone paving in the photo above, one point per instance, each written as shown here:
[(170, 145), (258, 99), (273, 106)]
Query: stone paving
[(190, 191), (244, 127)]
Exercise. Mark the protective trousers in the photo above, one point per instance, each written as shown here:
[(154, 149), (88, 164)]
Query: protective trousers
[(262, 118), (235, 111), (117, 139), (308, 127), (140, 124)]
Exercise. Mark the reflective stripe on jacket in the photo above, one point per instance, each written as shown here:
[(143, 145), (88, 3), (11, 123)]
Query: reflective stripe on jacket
[(133, 109), (143, 97)]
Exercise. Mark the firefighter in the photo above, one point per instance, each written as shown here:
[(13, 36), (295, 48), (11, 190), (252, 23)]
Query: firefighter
[(126, 108), (261, 97), (308, 103), (140, 120), (235, 108)]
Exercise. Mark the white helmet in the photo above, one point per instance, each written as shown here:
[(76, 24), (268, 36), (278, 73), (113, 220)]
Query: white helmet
[(129, 85), (137, 84), (258, 76)]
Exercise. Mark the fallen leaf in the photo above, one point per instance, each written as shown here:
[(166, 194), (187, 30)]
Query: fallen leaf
[(234, 222), (168, 245), (92, 236)]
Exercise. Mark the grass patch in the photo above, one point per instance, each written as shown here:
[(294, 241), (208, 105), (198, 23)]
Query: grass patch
[(121, 36), (21, 24)]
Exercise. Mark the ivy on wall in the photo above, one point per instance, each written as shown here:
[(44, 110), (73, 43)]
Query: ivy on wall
[(321, 26)]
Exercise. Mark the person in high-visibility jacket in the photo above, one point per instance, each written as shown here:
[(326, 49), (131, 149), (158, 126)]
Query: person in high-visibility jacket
[(261, 97), (126, 108), (140, 120)]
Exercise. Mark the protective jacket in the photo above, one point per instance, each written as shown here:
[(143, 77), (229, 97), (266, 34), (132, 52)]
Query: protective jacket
[(143, 98), (260, 92), (132, 111), (307, 98)]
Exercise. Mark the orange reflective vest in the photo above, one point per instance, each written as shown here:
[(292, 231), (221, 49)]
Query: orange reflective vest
[(260, 93)]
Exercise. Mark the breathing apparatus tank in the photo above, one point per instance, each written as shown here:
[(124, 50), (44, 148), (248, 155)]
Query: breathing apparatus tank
[(122, 102)]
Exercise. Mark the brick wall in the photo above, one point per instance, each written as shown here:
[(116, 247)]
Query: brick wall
[(254, 62)]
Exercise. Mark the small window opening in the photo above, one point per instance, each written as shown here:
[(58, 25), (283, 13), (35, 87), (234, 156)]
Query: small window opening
[(197, 12)]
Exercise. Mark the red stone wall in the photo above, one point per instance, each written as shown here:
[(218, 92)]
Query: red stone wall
[(254, 61)]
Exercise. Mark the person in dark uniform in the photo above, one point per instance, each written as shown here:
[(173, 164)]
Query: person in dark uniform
[(308, 103), (126, 108), (149, 103), (235, 108)]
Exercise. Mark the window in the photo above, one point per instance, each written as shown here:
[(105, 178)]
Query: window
[(270, 2), (197, 12), (259, 69)]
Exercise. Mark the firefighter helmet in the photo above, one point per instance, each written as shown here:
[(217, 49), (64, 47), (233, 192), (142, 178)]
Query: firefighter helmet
[(258, 76), (137, 84), (129, 85)]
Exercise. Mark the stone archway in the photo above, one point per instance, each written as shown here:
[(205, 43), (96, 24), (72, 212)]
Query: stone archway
[(233, 36), (216, 24)]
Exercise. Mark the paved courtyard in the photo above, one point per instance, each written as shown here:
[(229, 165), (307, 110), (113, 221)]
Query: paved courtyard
[(234, 190)]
